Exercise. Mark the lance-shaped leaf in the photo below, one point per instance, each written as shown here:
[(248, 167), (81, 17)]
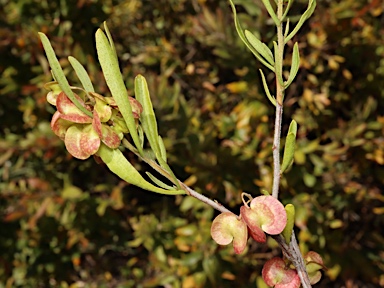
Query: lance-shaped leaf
[(149, 123), (287, 232), (112, 75), (266, 89), (271, 12), (241, 34), (278, 64), (294, 65), (147, 117), (260, 47), (289, 148), (119, 165), (286, 31), (111, 43), (162, 149), (159, 182), (59, 74), (287, 7), (311, 7), (81, 74)]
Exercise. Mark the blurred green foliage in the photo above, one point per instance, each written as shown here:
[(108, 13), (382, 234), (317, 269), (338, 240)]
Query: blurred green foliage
[(70, 223)]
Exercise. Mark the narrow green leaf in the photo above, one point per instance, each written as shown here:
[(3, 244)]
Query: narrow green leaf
[(289, 148), (116, 85), (119, 165), (245, 41), (166, 167), (286, 29), (59, 74), (271, 12), (159, 182), (149, 123), (110, 40), (81, 74), (294, 65), (310, 9), (287, 232), (293, 127), (147, 117), (266, 89), (278, 64), (287, 9), (162, 149), (260, 47)]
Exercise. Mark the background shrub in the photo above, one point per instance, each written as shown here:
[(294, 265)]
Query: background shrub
[(65, 221)]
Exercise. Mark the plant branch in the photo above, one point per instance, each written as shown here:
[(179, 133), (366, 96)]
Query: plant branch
[(213, 203), (291, 251), (279, 102), (276, 150)]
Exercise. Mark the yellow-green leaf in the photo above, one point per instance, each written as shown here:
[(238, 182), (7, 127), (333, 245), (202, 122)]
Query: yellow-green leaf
[(114, 79), (311, 7), (59, 74), (287, 232), (260, 47), (241, 34), (289, 148), (81, 74), (119, 165), (294, 65)]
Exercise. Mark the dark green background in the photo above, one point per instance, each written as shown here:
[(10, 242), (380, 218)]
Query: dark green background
[(67, 223)]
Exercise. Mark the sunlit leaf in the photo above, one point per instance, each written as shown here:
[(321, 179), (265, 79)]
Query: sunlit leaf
[(241, 34), (287, 7), (113, 77), (159, 182), (118, 164), (271, 12), (294, 65), (278, 64), (147, 117), (59, 74), (81, 74), (310, 9), (266, 89), (260, 47), (163, 151), (111, 43), (287, 232), (286, 30), (289, 148)]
